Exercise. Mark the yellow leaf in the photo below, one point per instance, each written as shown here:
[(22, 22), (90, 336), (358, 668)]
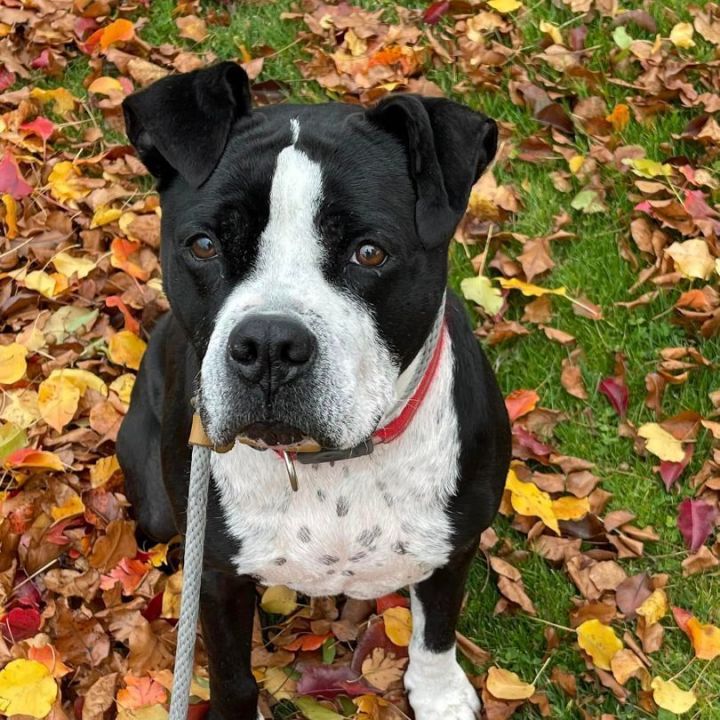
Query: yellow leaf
[(504, 6), (692, 258), (661, 443), (72, 506), (670, 697), (26, 688), (158, 554), (62, 100), (398, 625), (279, 684), (570, 508), (552, 30), (575, 163), (382, 669), (599, 641), (654, 608), (172, 596), (104, 215), (506, 685), (58, 400), (528, 499), (530, 290), (103, 470), (481, 291), (681, 36), (10, 215), (105, 85), (126, 348), (69, 265), (47, 285), (12, 363), (644, 167), (279, 600), (705, 639), (63, 182), (81, 379), (123, 386), (20, 407)]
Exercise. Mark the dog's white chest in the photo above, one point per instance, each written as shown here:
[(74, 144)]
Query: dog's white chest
[(362, 527)]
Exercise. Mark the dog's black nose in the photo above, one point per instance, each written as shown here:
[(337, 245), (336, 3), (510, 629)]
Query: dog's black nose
[(271, 349)]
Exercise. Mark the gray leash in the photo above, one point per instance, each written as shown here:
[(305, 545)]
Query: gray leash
[(192, 577)]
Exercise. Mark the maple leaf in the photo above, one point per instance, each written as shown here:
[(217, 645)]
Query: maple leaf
[(381, 670)]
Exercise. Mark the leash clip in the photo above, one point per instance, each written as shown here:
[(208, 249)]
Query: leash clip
[(290, 467)]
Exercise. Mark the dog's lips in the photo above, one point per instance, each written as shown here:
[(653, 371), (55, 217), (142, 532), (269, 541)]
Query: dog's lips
[(276, 436)]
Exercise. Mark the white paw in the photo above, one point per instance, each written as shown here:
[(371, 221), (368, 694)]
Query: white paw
[(446, 697)]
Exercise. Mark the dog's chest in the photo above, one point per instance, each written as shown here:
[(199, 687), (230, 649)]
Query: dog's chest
[(363, 527)]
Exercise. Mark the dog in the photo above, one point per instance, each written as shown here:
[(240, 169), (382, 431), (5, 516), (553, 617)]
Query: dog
[(305, 258)]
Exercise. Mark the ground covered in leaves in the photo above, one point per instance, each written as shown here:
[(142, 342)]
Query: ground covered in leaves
[(590, 259)]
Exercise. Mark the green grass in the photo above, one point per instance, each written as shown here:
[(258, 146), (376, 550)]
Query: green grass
[(589, 264)]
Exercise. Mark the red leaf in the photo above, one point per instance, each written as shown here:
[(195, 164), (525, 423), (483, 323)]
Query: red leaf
[(329, 681), (7, 78), (20, 624), (42, 60), (527, 440), (40, 126), (617, 393), (670, 472), (435, 11), (390, 601), (11, 181), (696, 519), (307, 643)]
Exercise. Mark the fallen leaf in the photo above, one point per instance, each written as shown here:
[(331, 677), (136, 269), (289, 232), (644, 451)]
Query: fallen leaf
[(670, 697), (696, 520), (12, 363), (681, 35), (506, 685), (279, 600), (480, 290), (528, 499), (661, 443), (26, 688), (599, 641), (398, 625), (126, 348)]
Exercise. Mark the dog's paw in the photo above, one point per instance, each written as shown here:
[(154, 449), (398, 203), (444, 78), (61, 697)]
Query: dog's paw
[(449, 696)]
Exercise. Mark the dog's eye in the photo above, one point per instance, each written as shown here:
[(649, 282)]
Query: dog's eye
[(203, 248), (369, 256)]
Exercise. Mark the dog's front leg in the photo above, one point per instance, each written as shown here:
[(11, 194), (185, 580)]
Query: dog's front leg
[(227, 607), (437, 686)]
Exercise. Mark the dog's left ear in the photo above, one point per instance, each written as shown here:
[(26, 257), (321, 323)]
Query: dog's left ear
[(182, 122), (448, 146)]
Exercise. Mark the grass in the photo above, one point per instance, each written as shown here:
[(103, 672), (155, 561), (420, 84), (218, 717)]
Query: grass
[(589, 264)]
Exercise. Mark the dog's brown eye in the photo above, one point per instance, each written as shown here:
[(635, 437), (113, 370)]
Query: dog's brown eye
[(369, 256), (203, 248)]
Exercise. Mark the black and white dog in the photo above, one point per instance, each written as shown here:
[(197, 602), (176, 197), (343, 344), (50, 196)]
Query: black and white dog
[(305, 255)]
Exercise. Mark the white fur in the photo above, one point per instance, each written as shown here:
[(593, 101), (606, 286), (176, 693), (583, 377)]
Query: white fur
[(437, 686), (402, 490), (353, 369)]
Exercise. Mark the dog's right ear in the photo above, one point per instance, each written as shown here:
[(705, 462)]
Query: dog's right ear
[(181, 124)]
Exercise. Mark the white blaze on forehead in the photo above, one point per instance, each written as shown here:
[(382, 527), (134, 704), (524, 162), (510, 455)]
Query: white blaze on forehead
[(289, 243)]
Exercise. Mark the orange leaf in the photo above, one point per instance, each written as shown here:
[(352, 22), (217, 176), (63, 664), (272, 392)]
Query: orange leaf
[(141, 692), (307, 643), (131, 323), (619, 117), (120, 252), (128, 572), (705, 639), (31, 458), (521, 402), (120, 30)]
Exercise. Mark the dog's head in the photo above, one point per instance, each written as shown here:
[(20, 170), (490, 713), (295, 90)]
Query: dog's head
[(304, 248)]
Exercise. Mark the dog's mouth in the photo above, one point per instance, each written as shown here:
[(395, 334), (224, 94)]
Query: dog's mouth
[(277, 436)]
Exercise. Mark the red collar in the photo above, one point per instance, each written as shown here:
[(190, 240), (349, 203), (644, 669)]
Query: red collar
[(396, 427)]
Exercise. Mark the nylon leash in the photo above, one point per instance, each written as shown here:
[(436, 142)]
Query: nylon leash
[(192, 578)]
